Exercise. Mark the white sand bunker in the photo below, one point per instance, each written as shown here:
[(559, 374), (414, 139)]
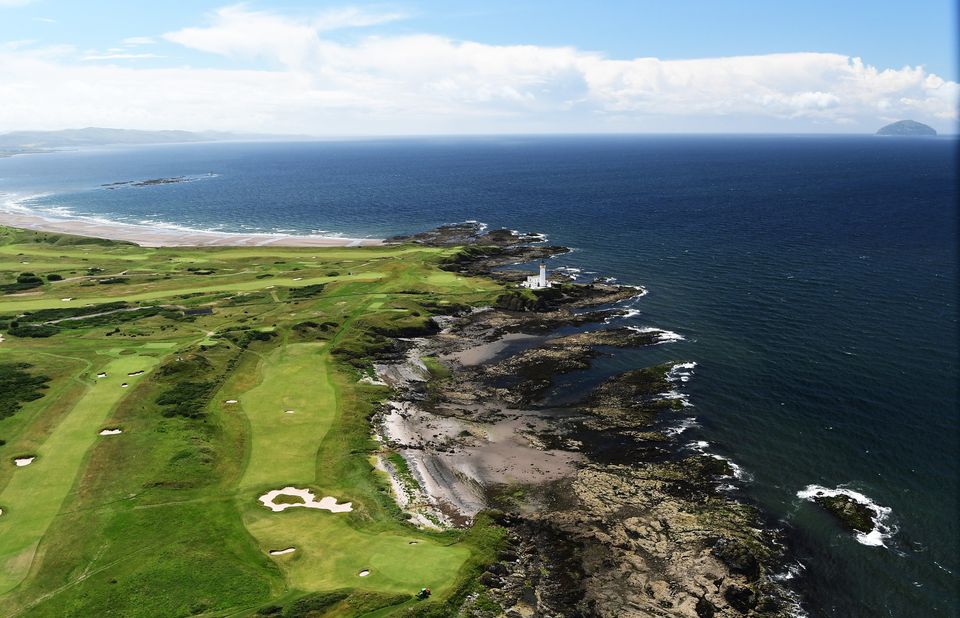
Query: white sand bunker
[(102, 374), (230, 401), (280, 552), (363, 573), (289, 412), (23, 461), (327, 503), (65, 300), (124, 385), (111, 432), (135, 373)]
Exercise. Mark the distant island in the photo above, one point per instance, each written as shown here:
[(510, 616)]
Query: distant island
[(23, 142), (908, 128)]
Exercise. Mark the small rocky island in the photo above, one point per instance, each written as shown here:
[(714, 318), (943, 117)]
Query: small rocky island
[(851, 513), (907, 128)]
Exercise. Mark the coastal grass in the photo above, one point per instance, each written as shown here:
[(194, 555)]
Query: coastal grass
[(163, 519)]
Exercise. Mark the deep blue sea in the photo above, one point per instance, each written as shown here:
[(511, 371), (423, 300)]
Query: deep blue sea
[(814, 280)]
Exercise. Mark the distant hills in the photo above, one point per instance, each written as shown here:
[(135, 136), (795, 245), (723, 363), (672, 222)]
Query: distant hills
[(907, 127), (40, 141)]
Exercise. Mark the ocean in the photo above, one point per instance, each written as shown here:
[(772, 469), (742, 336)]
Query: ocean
[(813, 280)]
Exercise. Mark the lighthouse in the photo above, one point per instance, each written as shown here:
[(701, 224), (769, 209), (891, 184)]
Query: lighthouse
[(537, 282)]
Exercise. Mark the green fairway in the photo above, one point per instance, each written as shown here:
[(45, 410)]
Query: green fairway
[(32, 498), (283, 446), (251, 366), (27, 304)]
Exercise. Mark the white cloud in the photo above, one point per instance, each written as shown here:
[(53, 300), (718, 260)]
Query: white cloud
[(118, 54), (133, 41), (422, 83)]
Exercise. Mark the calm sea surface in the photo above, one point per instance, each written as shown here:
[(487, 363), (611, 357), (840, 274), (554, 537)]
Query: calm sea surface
[(814, 280)]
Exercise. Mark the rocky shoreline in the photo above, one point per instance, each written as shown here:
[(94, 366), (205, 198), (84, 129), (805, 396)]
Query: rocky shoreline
[(607, 513)]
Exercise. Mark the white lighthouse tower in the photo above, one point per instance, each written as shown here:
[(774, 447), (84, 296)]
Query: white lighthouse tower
[(537, 282)]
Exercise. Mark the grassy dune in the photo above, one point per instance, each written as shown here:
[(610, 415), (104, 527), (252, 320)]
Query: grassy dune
[(163, 519)]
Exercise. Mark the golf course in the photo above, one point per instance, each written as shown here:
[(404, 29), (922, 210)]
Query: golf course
[(185, 431)]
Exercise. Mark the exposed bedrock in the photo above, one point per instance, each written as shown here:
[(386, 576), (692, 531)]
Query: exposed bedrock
[(607, 514)]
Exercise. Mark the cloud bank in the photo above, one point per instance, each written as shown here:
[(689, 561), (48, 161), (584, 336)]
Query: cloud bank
[(296, 75)]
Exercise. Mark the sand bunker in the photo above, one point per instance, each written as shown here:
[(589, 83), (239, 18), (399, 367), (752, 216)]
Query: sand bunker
[(289, 412), (327, 503), (230, 401), (66, 300), (111, 432), (124, 385), (135, 373), (23, 461), (363, 573), (280, 552), (102, 374)]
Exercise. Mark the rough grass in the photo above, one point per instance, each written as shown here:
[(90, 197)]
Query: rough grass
[(163, 518)]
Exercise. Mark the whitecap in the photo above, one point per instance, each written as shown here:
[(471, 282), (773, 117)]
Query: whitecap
[(663, 336)]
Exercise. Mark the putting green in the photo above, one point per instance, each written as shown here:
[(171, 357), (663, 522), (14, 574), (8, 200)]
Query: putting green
[(330, 553), (33, 496)]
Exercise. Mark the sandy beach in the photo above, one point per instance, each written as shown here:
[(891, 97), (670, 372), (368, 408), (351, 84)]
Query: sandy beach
[(147, 236)]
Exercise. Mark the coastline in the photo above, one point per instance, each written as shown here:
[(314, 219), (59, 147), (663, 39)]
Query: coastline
[(608, 511), (147, 236)]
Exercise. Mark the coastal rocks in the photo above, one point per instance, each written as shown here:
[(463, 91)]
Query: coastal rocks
[(632, 399), (854, 511), (471, 233), (530, 373), (853, 515), (607, 512), (638, 545)]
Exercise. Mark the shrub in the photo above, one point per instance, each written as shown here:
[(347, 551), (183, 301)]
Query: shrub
[(18, 386), (186, 399), (54, 277)]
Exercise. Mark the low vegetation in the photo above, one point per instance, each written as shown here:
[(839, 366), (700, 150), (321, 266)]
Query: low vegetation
[(18, 386), (232, 372)]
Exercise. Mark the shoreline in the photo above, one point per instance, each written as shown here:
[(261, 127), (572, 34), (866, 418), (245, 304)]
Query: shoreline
[(147, 236), (605, 506)]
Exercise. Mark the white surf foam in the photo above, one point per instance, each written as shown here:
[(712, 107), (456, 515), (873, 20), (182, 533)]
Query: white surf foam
[(882, 530), (736, 472), (681, 427), (663, 336)]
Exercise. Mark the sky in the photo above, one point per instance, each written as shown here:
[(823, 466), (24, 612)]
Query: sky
[(498, 66)]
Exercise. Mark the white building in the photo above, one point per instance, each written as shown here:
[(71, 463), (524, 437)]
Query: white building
[(537, 282)]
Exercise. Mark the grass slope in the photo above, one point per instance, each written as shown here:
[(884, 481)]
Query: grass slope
[(163, 519)]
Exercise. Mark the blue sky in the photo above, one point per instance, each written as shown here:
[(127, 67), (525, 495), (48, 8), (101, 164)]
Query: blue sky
[(493, 66)]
